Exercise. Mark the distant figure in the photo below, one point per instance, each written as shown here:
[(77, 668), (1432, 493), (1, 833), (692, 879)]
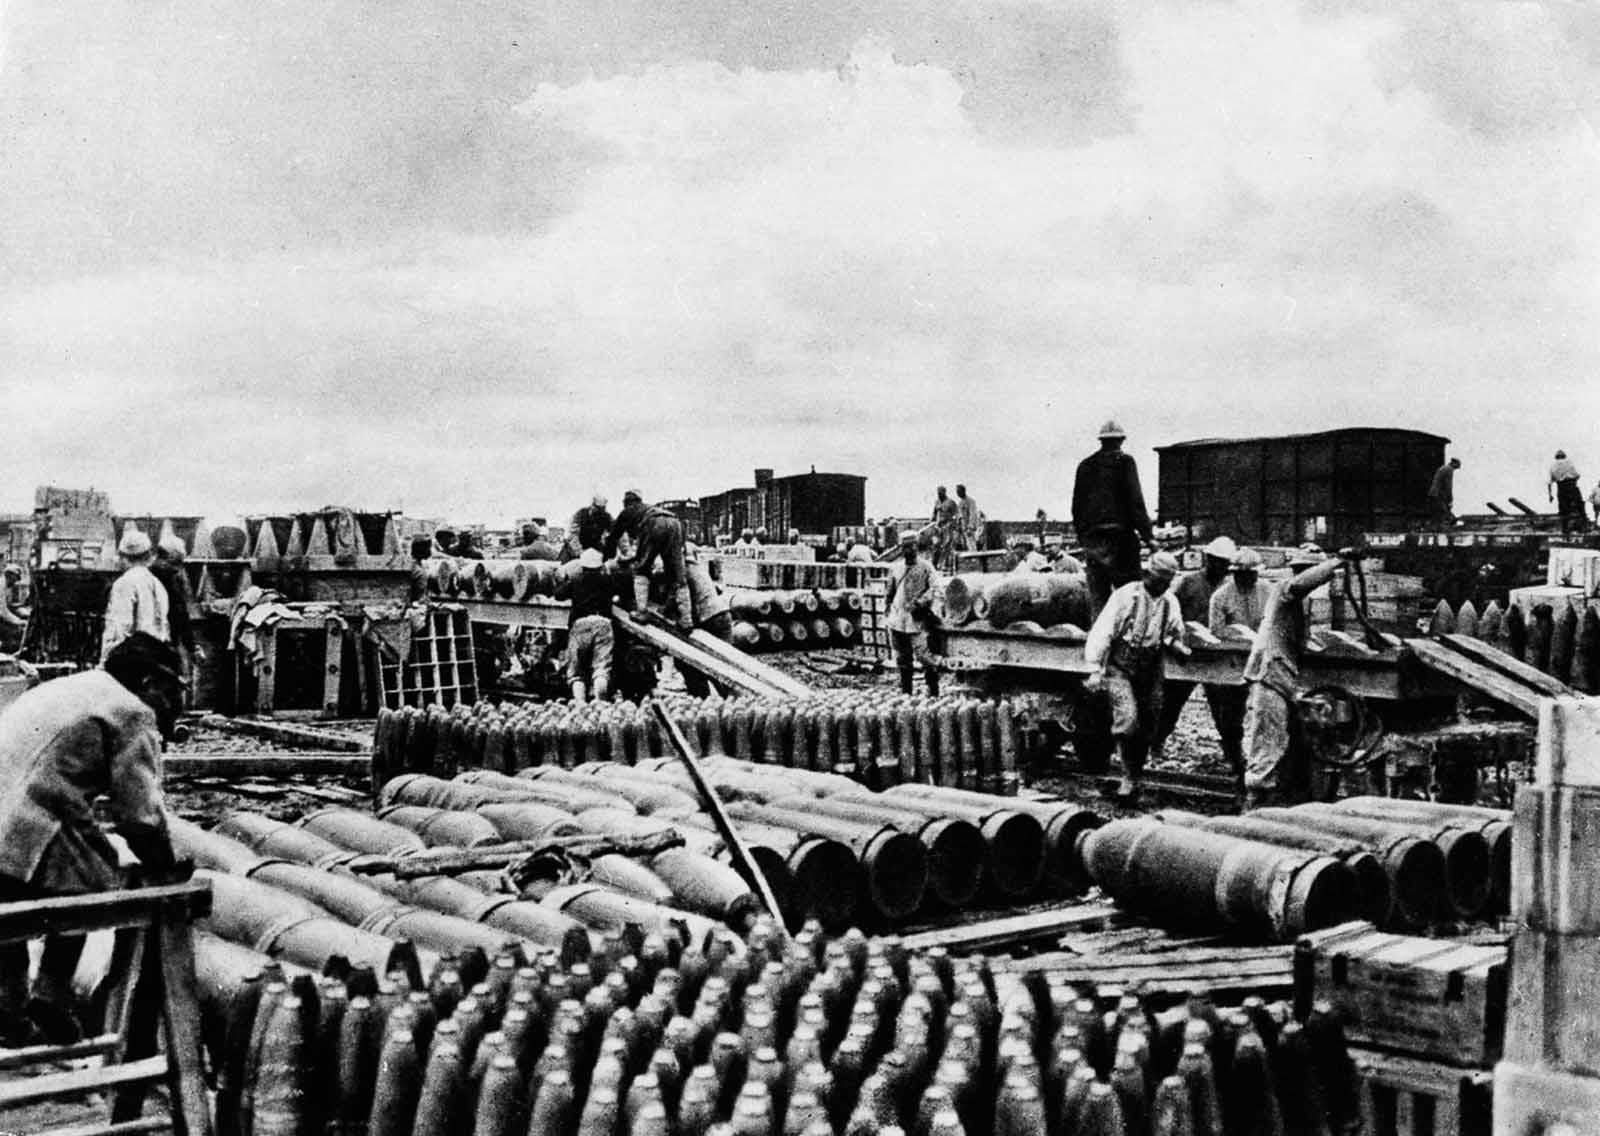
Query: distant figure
[(746, 542), (946, 520), (910, 601), (1193, 591), (1126, 650), (1025, 557), (1277, 768), (1442, 494), (12, 622), (590, 528), (794, 536), (659, 535), (761, 536), (534, 546), (168, 568), (1109, 516), (1563, 489), (445, 541), (971, 520), (591, 637), (138, 601), (417, 578), (862, 553), (1594, 501), (467, 545)]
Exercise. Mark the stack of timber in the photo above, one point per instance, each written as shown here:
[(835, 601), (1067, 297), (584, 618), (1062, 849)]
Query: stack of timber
[(877, 737), (1515, 658)]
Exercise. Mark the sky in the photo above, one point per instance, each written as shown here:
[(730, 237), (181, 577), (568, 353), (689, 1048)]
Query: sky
[(479, 260)]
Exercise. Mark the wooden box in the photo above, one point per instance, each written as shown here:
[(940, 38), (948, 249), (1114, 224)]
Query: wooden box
[(1430, 998), (1401, 1096), (1575, 568)]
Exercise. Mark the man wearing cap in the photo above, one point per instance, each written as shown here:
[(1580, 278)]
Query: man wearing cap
[(1126, 652), (590, 527), (138, 601), (533, 545), (947, 529), (1025, 557), (1193, 591), (590, 635), (1241, 600), (1109, 516), (168, 568), (1563, 489), (1277, 770), (658, 535), (910, 613), (63, 744), (1442, 493), (713, 614), (746, 542)]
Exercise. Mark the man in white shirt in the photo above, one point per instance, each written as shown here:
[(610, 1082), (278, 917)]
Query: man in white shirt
[(1127, 649), (910, 612), (138, 601)]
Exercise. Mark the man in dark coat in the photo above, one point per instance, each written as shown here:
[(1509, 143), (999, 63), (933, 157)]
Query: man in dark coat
[(1109, 516)]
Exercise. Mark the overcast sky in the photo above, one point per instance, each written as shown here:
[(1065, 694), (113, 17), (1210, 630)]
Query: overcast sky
[(475, 260)]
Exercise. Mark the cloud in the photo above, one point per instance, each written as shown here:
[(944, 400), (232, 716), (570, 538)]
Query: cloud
[(479, 267)]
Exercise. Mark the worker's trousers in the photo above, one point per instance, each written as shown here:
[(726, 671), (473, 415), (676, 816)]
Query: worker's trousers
[(910, 650), (1133, 686), (56, 965), (1277, 769), (1227, 714), (1569, 503), (1110, 559)]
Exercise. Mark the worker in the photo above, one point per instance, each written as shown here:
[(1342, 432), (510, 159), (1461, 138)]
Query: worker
[(63, 744), (794, 536), (168, 568), (467, 545), (1241, 600), (1277, 770), (12, 621), (445, 540), (970, 519), (659, 536), (1594, 502), (590, 635), (761, 535), (1193, 591), (1563, 489), (946, 522), (1066, 563), (1109, 516), (417, 577), (1025, 556), (1442, 494), (1126, 651), (138, 601), (861, 553), (534, 546), (713, 614), (590, 528), (910, 600), (746, 542)]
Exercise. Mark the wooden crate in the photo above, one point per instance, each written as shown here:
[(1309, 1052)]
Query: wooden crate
[(305, 679), (1429, 998), (1575, 568), (873, 619), (1402, 1096), (442, 667)]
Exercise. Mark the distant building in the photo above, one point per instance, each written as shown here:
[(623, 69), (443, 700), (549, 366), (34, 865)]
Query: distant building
[(815, 503), (1329, 487)]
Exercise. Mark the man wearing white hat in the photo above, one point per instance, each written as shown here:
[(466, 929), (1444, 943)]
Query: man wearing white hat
[(590, 637), (1193, 592), (138, 601), (1276, 768), (1127, 650), (1109, 515)]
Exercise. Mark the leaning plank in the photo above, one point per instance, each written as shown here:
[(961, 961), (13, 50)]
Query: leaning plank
[(765, 672), (1476, 676), (1012, 929), (1496, 659), (31, 1090), (685, 652), (136, 907), (232, 765)]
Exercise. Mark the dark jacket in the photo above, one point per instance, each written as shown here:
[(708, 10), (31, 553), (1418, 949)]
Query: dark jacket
[(176, 582), (593, 593), (591, 528), (627, 522), (1106, 495)]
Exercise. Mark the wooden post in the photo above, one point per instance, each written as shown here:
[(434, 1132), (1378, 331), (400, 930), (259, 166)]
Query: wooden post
[(1549, 1081)]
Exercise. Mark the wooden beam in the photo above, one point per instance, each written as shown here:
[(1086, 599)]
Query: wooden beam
[(288, 733), (103, 911), (1475, 676), (1522, 507), (266, 765), (1009, 930), (691, 655), (32, 1090), (1493, 657), (767, 673)]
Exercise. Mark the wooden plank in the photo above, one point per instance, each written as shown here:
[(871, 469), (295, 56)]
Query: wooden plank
[(231, 765), (1009, 930), (289, 733), (180, 1006), (1475, 676), (1493, 657), (126, 1128), (692, 655), (39, 1054), (766, 673), (136, 907), (32, 1090)]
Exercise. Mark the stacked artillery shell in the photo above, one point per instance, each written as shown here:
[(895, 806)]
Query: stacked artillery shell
[(879, 738), (1563, 641), (810, 1034), (800, 619)]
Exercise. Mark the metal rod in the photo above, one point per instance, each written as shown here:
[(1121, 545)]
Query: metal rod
[(740, 855)]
